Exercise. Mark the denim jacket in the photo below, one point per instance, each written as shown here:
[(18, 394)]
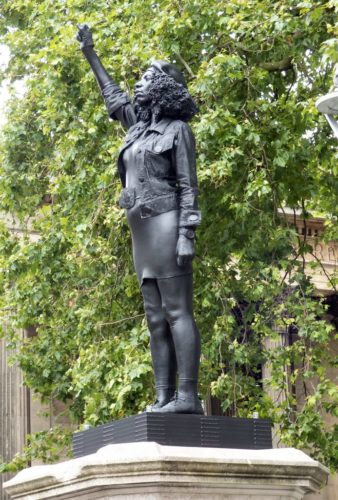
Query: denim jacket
[(167, 167)]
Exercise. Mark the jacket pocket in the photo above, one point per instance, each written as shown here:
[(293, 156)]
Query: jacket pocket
[(164, 143), (158, 156)]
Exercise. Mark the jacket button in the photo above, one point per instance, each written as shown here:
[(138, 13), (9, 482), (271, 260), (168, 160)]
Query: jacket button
[(157, 149), (192, 218)]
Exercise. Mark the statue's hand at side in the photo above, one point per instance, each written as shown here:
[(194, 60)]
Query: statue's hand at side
[(84, 36), (185, 250)]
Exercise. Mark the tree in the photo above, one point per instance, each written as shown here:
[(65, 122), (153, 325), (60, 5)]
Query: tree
[(255, 69)]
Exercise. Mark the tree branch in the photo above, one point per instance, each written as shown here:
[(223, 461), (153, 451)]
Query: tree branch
[(283, 65), (185, 64)]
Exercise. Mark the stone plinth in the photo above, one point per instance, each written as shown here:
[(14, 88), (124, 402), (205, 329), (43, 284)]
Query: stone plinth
[(152, 471)]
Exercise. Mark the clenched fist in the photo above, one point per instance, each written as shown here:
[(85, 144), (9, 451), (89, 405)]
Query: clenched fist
[(84, 36), (185, 250)]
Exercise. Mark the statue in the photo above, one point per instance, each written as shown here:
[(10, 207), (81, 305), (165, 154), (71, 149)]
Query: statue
[(158, 173)]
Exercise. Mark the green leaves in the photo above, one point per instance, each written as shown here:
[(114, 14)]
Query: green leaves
[(47, 446), (255, 69)]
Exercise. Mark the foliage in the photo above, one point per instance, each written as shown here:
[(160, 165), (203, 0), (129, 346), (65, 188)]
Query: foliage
[(47, 446), (255, 69)]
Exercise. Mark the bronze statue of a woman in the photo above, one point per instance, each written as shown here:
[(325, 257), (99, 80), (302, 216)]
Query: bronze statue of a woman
[(158, 173)]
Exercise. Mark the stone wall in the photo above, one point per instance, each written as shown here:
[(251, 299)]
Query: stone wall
[(14, 410)]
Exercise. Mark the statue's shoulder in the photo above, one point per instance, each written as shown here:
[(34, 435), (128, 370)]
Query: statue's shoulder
[(179, 125)]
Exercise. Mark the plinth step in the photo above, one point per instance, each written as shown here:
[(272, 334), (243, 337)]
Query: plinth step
[(177, 430)]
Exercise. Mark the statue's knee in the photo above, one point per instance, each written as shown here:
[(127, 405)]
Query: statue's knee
[(172, 314), (157, 323)]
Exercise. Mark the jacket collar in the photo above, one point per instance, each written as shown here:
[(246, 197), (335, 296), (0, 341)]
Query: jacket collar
[(159, 126), (136, 130)]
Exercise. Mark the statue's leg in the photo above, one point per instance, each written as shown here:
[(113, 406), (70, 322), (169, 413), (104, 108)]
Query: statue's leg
[(161, 343), (177, 300)]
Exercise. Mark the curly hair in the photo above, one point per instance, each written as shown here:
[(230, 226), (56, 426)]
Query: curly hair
[(168, 99)]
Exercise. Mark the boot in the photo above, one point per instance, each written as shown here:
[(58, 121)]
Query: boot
[(164, 396), (181, 404)]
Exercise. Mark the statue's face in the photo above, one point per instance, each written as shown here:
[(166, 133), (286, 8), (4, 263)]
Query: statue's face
[(142, 87)]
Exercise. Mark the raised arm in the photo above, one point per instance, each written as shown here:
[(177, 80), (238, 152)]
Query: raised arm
[(117, 102)]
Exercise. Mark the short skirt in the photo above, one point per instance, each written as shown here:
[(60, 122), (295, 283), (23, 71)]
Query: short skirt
[(154, 245)]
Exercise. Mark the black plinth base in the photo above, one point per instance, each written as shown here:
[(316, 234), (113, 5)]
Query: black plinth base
[(177, 430)]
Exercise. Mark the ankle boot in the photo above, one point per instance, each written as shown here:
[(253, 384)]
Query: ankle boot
[(163, 396), (182, 403)]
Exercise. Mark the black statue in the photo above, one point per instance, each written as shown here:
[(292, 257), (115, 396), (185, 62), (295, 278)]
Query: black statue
[(158, 174)]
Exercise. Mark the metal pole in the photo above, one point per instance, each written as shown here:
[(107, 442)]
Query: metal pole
[(333, 124)]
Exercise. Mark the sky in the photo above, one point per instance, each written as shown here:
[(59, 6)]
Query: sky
[(4, 58)]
